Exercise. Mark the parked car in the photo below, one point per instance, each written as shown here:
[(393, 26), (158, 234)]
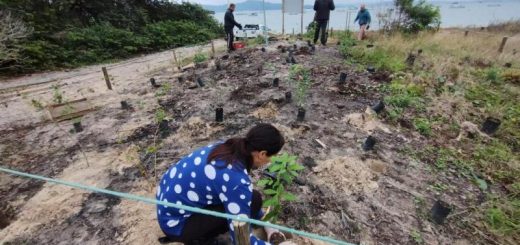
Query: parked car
[(251, 31)]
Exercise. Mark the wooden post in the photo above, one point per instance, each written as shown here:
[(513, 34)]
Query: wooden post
[(466, 33), (283, 17), (331, 32), (107, 79), (212, 49), (501, 49), (303, 11), (176, 61), (241, 233)]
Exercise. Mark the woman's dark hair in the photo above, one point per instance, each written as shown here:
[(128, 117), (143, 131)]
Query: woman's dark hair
[(262, 137)]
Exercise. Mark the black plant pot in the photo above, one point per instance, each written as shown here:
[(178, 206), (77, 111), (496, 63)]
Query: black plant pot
[(491, 125), (508, 65), (301, 115), (263, 49), (339, 43), (410, 60), (288, 60), (309, 43), (293, 60), (370, 45), (379, 107), (419, 51), (342, 77), (440, 211), (369, 143), (219, 114), (371, 69), (77, 127), (313, 48), (163, 126), (125, 105), (288, 97), (282, 49), (295, 47), (154, 84), (200, 82), (276, 82), (181, 79)]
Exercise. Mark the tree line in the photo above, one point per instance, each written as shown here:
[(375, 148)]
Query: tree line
[(48, 34)]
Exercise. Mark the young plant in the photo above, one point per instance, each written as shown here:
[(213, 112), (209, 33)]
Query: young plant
[(300, 76), (165, 89), (423, 125), (37, 104), (200, 58), (160, 115), (57, 97), (282, 172)]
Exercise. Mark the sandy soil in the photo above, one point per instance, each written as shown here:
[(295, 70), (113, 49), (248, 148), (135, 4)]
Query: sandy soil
[(375, 197)]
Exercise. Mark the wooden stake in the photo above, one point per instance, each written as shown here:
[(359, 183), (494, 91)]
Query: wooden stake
[(212, 50), (107, 79), (501, 49), (175, 59), (303, 11), (283, 17), (331, 31), (241, 233), (466, 33)]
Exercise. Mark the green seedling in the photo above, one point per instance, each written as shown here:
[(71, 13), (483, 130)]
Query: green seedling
[(57, 96), (300, 76), (200, 58), (37, 104), (283, 170), (160, 115), (416, 236)]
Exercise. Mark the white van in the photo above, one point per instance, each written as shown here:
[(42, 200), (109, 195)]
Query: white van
[(250, 31)]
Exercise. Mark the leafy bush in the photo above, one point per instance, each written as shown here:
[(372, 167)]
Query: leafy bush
[(411, 17), (347, 41), (284, 170)]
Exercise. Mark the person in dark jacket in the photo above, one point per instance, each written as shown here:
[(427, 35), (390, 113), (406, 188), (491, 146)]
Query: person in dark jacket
[(229, 24), (363, 18), (322, 8)]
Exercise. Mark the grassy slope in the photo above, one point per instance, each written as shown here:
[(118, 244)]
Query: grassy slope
[(455, 81)]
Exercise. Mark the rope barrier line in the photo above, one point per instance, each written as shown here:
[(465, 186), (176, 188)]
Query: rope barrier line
[(173, 205)]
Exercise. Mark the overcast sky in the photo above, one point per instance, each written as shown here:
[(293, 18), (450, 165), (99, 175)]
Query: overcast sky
[(217, 2)]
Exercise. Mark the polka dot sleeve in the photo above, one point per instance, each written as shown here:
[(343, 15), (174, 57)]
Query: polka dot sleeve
[(236, 196)]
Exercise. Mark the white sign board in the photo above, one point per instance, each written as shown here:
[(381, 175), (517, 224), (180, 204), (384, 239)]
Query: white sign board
[(293, 6)]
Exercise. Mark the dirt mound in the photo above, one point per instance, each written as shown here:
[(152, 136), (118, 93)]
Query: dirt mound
[(349, 175), (268, 111), (195, 128), (366, 121)]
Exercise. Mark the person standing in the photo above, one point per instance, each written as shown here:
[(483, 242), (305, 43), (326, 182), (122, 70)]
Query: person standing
[(363, 18), (229, 24), (322, 15)]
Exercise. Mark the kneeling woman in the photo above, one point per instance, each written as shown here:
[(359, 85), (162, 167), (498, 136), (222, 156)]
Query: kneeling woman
[(216, 178)]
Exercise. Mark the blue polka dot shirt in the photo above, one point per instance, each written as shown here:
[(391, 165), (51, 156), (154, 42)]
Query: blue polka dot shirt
[(194, 182)]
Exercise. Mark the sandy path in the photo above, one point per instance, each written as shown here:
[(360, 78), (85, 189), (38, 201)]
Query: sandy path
[(87, 82)]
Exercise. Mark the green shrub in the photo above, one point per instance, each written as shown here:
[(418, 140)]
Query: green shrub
[(199, 58), (504, 217), (417, 17), (423, 126)]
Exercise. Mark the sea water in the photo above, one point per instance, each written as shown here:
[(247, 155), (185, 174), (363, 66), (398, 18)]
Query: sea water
[(453, 14)]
